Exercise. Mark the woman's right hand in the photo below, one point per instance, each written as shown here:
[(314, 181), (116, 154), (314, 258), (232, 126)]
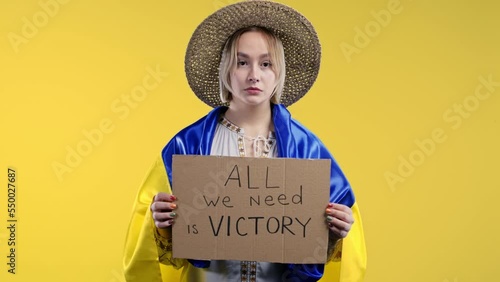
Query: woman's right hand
[(162, 208)]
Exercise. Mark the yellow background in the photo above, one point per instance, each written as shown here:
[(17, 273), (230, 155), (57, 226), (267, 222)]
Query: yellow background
[(440, 224)]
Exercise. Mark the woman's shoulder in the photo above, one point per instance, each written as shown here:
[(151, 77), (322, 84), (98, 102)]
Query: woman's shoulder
[(202, 125), (284, 120), (193, 135)]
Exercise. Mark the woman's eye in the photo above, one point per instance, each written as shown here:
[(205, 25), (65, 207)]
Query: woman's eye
[(266, 64), (242, 63)]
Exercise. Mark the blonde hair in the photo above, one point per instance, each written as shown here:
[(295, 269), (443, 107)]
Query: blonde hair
[(229, 59)]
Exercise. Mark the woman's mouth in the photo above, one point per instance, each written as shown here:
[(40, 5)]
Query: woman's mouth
[(253, 90)]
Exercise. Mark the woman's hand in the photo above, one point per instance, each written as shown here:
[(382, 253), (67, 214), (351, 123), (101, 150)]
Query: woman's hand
[(162, 208), (339, 220)]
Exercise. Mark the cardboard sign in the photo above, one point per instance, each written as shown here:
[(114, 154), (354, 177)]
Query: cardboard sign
[(255, 209)]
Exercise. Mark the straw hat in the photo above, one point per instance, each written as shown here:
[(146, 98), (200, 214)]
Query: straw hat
[(300, 41)]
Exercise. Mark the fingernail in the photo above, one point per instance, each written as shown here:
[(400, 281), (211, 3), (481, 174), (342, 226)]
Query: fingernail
[(328, 211), (330, 205), (173, 198), (171, 222), (173, 206), (329, 218), (173, 214)]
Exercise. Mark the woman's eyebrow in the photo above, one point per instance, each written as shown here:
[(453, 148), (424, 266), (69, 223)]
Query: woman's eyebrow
[(244, 55)]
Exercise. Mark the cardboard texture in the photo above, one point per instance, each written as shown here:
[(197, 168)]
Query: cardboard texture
[(256, 209)]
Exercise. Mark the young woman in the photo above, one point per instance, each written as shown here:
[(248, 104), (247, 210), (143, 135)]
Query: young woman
[(267, 57)]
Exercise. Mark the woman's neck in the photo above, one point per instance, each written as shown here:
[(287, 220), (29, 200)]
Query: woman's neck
[(255, 121)]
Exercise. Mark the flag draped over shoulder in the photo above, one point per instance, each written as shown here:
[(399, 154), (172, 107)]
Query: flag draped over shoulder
[(141, 256)]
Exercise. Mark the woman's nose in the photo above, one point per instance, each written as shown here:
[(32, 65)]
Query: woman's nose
[(253, 74)]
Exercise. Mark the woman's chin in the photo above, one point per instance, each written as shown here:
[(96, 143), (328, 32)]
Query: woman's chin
[(251, 102)]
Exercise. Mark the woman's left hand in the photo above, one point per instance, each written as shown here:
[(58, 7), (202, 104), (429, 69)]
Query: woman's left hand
[(339, 219)]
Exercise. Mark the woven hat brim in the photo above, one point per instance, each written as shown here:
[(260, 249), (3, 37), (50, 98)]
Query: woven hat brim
[(300, 41)]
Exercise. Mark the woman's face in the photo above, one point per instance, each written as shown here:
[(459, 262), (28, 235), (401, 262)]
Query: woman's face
[(252, 79)]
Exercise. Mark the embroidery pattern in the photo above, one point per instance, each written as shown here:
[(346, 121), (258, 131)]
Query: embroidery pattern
[(248, 271), (258, 142)]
